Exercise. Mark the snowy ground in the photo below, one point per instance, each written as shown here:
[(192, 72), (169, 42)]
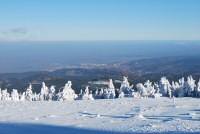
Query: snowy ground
[(101, 116)]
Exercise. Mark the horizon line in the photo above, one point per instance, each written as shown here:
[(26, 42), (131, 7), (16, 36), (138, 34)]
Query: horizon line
[(15, 41)]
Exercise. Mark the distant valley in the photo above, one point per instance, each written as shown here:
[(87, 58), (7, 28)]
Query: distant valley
[(137, 70)]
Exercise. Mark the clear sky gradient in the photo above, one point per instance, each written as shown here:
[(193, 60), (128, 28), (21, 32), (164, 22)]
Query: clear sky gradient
[(59, 20)]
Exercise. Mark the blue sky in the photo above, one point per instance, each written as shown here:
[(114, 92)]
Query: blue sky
[(58, 20)]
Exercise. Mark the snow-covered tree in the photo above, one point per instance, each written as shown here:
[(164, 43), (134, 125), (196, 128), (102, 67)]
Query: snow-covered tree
[(156, 87), (180, 88), (109, 93), (5, 95), (52, 93), (190, 86), (142, 90), (198, 89), (14, 95), (184, 88), (165, 87), (96, 93), (126, 88), (29, 93), (157, 93), (121, 95), (80, 95), (44, 92), (22, 97), (36, 97), (146, 90), (175, 88), (87, 95), (99, 94), (169, 93), (67, 93), (149, 88)]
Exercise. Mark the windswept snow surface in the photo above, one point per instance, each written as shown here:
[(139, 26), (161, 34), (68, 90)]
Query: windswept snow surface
[(162, 115)]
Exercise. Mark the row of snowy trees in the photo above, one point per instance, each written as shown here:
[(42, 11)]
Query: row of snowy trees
[(180, 88)]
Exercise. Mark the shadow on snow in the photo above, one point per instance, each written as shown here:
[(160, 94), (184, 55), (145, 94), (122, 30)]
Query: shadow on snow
[(26, 128)]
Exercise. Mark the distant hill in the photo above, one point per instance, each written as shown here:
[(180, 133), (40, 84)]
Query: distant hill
[(136, 70), (37, 56)]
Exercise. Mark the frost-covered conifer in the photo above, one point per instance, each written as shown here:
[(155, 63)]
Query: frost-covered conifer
[(126, 88), (5, 95), (190, 86), (180, 90), (157, 93), (121, 95), (175, 87), (87, 94), (67, 93), (52, 93), (14, 95), (96, 94), (165, 87), (109, 93), (99, 94), (149, 88), (141, 89), (36, 97), (29, 93), (198, 89), (22, 97), (80, 95), (44, 92)]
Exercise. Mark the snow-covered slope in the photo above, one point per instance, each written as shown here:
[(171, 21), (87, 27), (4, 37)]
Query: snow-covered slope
[(101, 116)]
